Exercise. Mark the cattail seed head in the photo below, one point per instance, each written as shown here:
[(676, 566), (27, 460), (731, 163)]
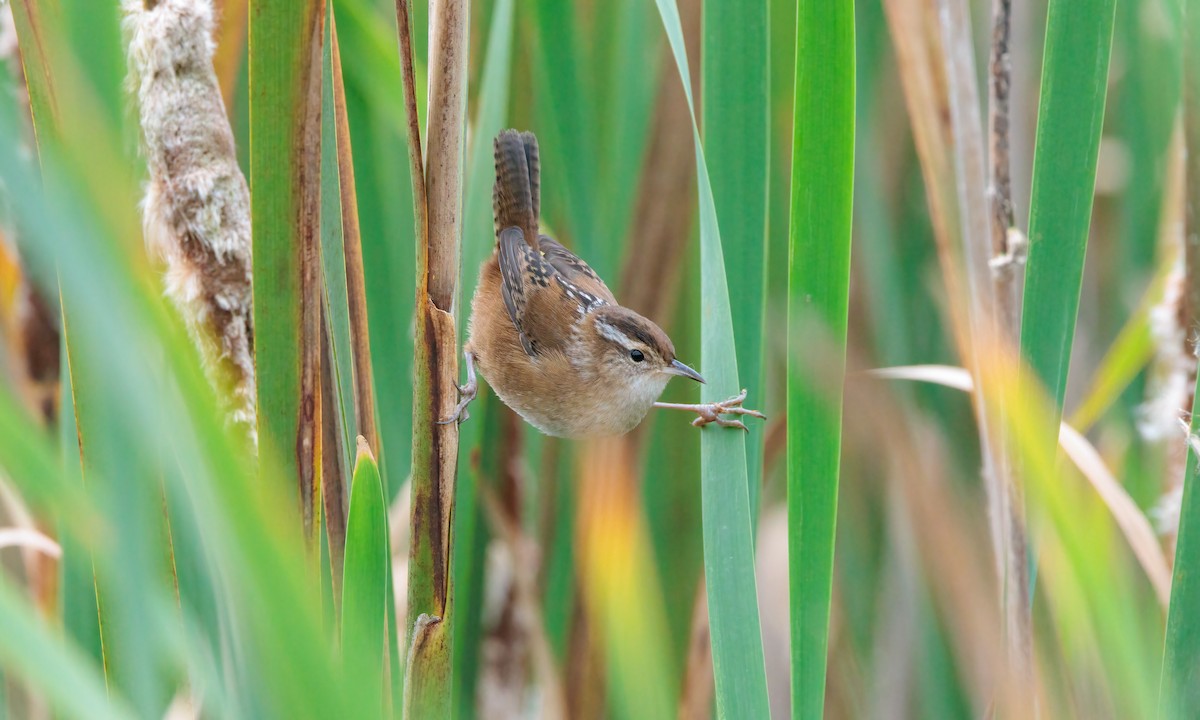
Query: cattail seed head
[(196, 213)]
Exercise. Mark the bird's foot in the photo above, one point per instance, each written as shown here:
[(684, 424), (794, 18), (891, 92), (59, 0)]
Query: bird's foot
[(711, 412), (466, 393)]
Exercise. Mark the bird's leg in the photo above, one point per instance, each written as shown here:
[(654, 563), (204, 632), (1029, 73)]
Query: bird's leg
[(712, 412), (467, 393)]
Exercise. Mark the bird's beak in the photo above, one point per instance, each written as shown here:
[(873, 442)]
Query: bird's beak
[(678, 368)]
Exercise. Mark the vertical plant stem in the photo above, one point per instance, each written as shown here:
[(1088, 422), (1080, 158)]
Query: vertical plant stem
[(435, 447), (1006, 259), (285, 161), (989, 316), (818, 300)]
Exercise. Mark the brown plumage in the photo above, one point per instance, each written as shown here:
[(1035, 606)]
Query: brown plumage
[(547, 333)]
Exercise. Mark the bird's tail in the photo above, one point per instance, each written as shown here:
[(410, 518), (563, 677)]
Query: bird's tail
[(516, 194)]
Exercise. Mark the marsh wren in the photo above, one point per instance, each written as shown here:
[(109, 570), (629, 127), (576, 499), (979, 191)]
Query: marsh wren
[(547, 333)]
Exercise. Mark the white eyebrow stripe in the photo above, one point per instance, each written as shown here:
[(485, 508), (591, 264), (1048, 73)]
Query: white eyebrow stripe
[(614, 334)]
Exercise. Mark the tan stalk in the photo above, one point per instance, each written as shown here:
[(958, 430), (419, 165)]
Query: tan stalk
[(936, 71), (987, 318), (437, 193), (1007, 247)]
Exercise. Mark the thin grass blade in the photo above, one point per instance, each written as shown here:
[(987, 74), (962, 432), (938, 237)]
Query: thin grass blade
[(734, 111), (728, 530), (1070, 117)]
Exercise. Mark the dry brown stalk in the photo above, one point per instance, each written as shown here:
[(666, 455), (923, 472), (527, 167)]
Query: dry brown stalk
[(1007, 251), (987, 317), (933, 44)]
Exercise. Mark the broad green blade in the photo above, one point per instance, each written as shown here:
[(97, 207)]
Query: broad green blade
[(364, 584), (285, 155), (734, 109), (738, 665), (818, 298)]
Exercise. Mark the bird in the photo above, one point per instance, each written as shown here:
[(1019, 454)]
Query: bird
[(548, 335)]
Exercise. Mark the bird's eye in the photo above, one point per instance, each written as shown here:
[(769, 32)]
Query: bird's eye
[(636, 355)]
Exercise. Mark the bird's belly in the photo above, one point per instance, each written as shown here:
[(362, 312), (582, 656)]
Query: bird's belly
[(572, 411)]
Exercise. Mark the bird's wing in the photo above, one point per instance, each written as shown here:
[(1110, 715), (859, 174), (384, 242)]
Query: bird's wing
[(543, 304), (574, 270)]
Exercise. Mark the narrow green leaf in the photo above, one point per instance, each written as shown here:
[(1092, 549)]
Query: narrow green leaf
[(34, 33), (77, 594), (818, 298), (364, 586), (385, 207), (1070, 117), (333, 261), (734, 110), (738, 665)]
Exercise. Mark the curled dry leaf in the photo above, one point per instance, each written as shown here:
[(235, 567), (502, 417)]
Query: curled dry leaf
[(1129, 518)]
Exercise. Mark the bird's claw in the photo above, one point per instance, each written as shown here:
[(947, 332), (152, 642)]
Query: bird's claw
[(712, 412), (460, 415), (467, 393)]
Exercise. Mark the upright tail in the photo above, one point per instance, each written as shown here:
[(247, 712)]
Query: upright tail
[(516, 194)]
